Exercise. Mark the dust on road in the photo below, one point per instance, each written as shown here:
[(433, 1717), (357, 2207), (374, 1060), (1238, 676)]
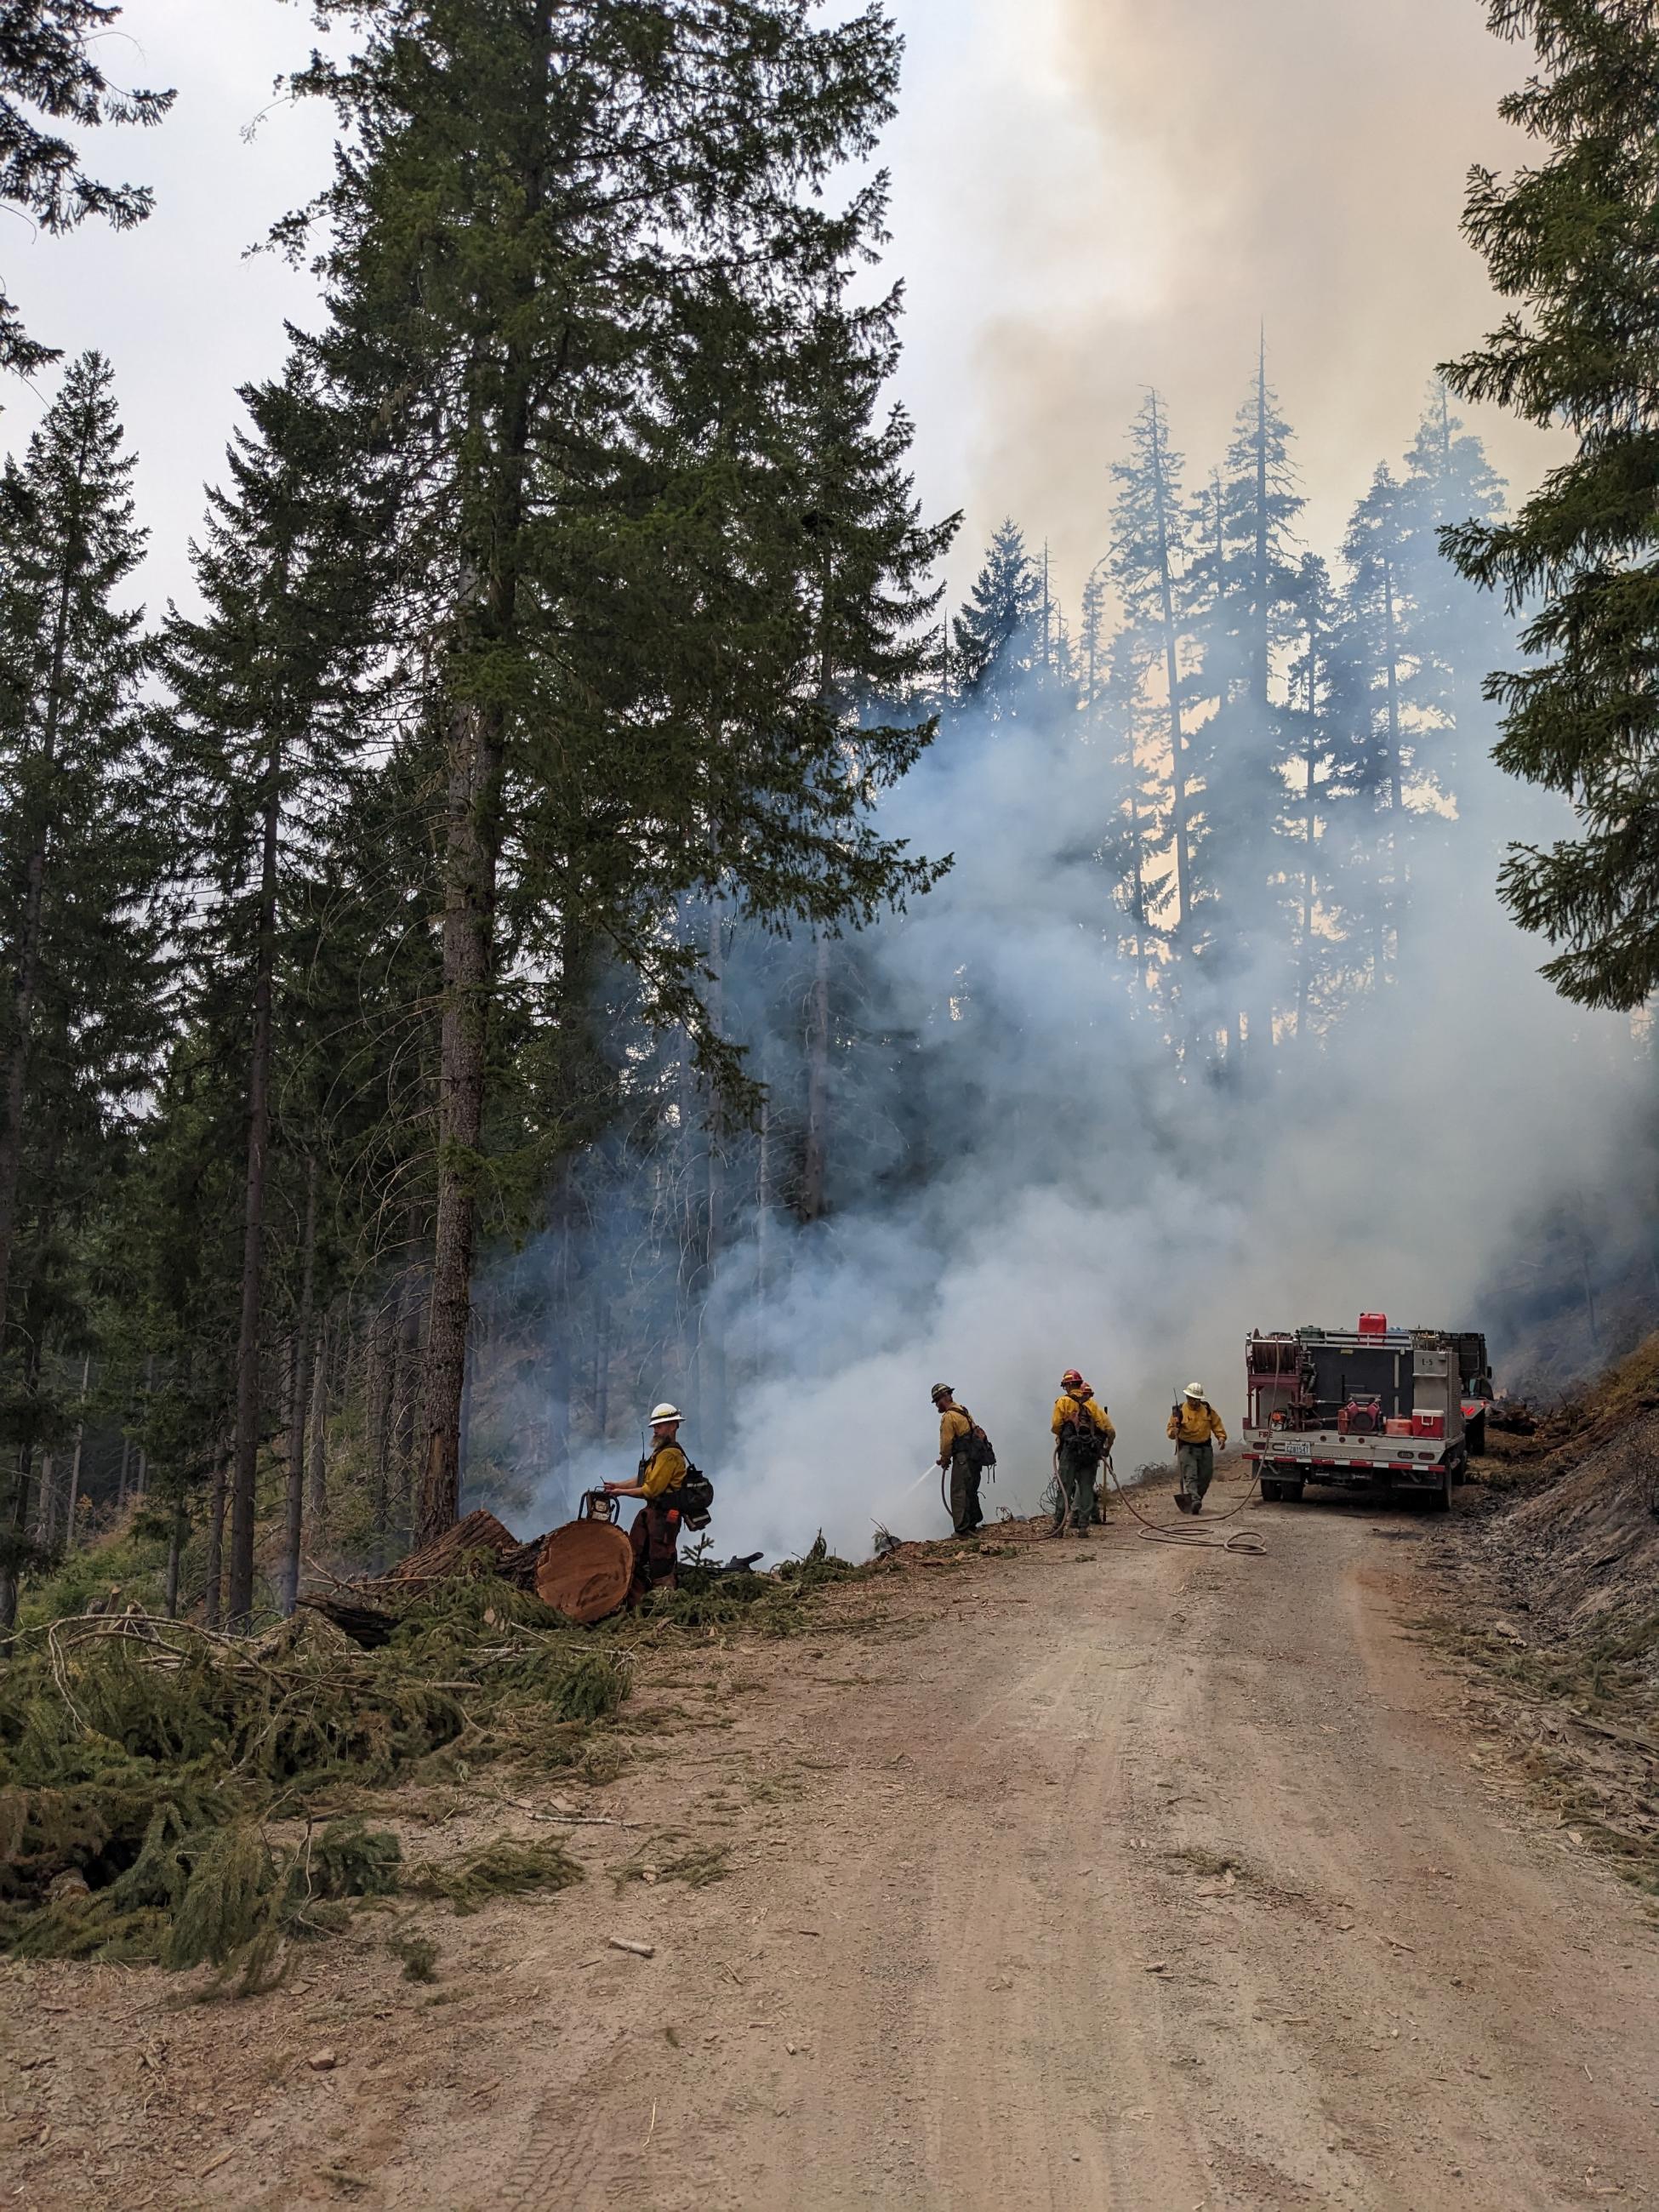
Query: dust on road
[(1117, 1876)]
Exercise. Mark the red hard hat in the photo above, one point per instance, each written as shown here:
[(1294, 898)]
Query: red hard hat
[(1071, 1376)]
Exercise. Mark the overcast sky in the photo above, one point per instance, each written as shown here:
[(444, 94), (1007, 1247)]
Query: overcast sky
[(1088, 196)]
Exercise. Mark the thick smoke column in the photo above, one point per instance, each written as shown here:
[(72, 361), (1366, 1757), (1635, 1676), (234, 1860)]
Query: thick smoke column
[(1087, 1206)]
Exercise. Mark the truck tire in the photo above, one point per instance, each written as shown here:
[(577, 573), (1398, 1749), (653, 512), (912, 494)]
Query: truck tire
[(1272, 1492), (1439, 1501), (1292, 1491)]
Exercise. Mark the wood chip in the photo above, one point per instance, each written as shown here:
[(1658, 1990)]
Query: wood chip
[(213, 2164), (634, 1950)]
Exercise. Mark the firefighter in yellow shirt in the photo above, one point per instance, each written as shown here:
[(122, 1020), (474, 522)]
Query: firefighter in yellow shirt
[(1195, 1429), (956, 1428), (655, 1534), (1084, 1431)]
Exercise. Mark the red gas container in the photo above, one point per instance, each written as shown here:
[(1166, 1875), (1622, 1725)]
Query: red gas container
[(1428, 1425), (1373, 1324)]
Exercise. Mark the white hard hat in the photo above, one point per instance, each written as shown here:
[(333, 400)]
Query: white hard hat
[(665, 1412), (1197, 1390)]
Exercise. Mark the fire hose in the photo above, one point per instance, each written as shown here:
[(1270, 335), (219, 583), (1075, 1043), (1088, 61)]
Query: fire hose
[(1244, 1543)]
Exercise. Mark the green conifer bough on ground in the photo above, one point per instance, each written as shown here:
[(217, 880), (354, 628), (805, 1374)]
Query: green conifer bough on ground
[(582, 260), (1576, 239)]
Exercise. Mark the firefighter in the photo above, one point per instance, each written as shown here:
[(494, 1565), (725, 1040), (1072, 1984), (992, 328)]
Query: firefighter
[(956, 1427), (655, 1534), (1195, 1429), (1083, 1432)]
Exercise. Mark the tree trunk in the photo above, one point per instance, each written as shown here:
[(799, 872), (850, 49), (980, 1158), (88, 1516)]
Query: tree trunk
[(487, 620), (602, 1362), (817, 1086), (175, 1554), (1178, 794), (1396, 790), (213, 1573), (298, 1393), (405, 1400), (74, 1464), (378, 1374), (46, 1504), (711, 1411), (470, 857), (317, 1455), (141, 1478), (243, 1497), (26, 979)]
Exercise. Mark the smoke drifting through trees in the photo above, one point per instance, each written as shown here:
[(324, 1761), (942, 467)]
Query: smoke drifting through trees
[(1176, 1048)]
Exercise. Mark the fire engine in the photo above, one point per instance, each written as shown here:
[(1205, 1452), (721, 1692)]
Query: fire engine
[(1403, 1407)]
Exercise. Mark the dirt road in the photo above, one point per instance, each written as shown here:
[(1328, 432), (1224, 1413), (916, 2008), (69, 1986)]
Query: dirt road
[(1107, 1876)]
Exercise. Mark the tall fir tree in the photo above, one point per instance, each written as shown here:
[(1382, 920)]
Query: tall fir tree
[(999, 632), (84, 844), (266, 682), (1574, 238), (1243, 601), (1147, 566), (595, 330)]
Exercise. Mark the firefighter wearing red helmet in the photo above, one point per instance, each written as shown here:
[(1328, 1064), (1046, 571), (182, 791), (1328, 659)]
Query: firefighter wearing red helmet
[(1083, 1433)]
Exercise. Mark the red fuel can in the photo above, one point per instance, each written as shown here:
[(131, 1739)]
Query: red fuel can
[(1373, 1324)]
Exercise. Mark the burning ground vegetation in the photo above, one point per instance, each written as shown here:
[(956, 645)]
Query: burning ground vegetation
[(173, 1797), (1553, 1589)]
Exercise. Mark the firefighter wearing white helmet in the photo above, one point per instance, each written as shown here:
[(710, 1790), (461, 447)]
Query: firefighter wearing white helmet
[(1195, 1429), (655, 1534)]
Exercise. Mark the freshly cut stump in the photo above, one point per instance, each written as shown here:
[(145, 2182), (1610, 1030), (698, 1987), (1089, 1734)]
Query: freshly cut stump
[(584, 1570)]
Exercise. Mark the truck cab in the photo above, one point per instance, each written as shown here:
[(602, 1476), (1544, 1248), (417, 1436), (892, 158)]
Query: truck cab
[(1355, 1407)]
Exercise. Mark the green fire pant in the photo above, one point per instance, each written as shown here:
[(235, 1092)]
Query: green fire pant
[(965, 1513), (1197, 1466), (1076, 1484)]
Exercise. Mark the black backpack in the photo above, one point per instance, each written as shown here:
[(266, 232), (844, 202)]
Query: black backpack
[(976, 1447), (691, 1497)]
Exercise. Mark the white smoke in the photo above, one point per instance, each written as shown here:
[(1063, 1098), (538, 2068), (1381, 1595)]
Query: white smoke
[(1090, 1210)]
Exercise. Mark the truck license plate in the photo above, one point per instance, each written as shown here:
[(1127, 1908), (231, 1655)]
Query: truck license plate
[(1297, 1450)]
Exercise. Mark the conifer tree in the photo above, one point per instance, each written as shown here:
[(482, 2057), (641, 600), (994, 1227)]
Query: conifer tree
[(51, 72), (1459, 630), (1574, 241), (265, 683), (593, 332), (82, 844), (999, 632), (1148, 563), (1243, 592)]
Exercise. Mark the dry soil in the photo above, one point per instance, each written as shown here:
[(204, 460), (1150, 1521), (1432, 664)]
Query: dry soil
[(1097, 1875)]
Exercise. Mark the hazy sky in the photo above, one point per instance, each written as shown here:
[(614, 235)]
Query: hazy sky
[(1089, 195)]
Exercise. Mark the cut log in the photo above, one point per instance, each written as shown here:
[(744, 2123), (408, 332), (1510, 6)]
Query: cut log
[(584, 1571), (479, 1532)]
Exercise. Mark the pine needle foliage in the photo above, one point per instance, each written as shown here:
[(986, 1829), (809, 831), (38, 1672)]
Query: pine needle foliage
[(501, 1869), (147, 1762), (1575, 240)]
